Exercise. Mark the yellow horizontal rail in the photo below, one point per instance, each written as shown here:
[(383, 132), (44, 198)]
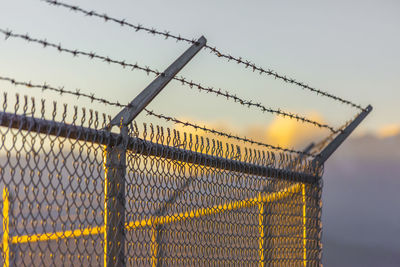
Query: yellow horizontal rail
[(154, 220), (57, 235), (215, 209)]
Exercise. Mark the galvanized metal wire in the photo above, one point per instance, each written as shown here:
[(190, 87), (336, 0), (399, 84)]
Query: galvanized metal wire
[(75, 193), (187, 200), (183, 80), (92, 97), (214, 50)]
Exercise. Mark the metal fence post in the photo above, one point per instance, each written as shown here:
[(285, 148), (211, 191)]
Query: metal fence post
[(114, 203), (265, 213), (115, 164), (265, 226), (261, 226), (155, 236), (304, 215), (6, 227)]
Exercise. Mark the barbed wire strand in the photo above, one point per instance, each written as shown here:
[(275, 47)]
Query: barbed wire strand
[(92, 98), (213, 131), (181, 79), (62, 90), (322, 144), (239, 60)]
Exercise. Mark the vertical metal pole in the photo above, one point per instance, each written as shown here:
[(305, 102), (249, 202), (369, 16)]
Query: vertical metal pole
[(303, 193), (6, 227), (154, 244), (114, 203), (158, 228), (265, 220), (261, 226), (114, 211), (267, 230)]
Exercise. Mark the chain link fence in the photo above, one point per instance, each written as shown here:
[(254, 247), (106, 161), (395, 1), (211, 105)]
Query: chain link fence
[(76, 194), (80, 188)]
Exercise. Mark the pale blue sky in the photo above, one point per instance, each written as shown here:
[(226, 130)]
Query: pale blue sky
[(348, 48)]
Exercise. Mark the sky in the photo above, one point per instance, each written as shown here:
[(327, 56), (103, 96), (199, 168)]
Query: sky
[(347, 48), (360, 196)]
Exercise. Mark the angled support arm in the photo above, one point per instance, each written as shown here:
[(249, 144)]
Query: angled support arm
[(339, 139), (154, 88), (115, 163)]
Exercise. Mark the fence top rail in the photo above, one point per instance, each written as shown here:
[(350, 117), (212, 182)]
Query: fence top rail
[(304, 171)]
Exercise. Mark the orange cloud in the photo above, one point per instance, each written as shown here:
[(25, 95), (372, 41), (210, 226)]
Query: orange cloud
[(389, 130), (291, 133), (221, 126), (282, 132)]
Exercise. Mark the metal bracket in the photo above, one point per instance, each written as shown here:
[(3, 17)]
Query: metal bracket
[(339, 139), (154, 88), (114, 185)]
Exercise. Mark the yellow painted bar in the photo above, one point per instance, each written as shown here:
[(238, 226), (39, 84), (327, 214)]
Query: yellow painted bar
[(57, 235), (303, 191), (105, 203), (6, 227), (154, 246), (261, 224), (153, 221), (215, 209)]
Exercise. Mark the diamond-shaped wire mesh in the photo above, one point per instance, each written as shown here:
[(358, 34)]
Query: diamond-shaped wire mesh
[(75, 194)]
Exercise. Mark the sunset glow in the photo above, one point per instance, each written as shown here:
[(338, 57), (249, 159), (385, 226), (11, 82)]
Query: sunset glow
[(389, 130)]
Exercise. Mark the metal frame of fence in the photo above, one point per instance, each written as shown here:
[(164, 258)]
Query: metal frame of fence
[(261, 200), (116, 146)]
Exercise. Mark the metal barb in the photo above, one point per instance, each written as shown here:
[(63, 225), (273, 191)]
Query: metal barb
[(183, 80), (214, 50), (339, 139), (90, 96)]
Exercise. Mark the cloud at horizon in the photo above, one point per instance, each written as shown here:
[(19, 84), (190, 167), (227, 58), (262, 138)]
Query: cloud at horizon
[(284, 132), (388, 130)]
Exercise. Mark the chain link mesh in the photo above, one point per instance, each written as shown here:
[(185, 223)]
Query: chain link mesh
[(75, 194)]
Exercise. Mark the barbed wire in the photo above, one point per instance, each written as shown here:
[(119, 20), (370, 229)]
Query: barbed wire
[(239, 60), (62, 90), (77, 93), (181, 79), (321, 144), (219, 133), (258, 105)]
